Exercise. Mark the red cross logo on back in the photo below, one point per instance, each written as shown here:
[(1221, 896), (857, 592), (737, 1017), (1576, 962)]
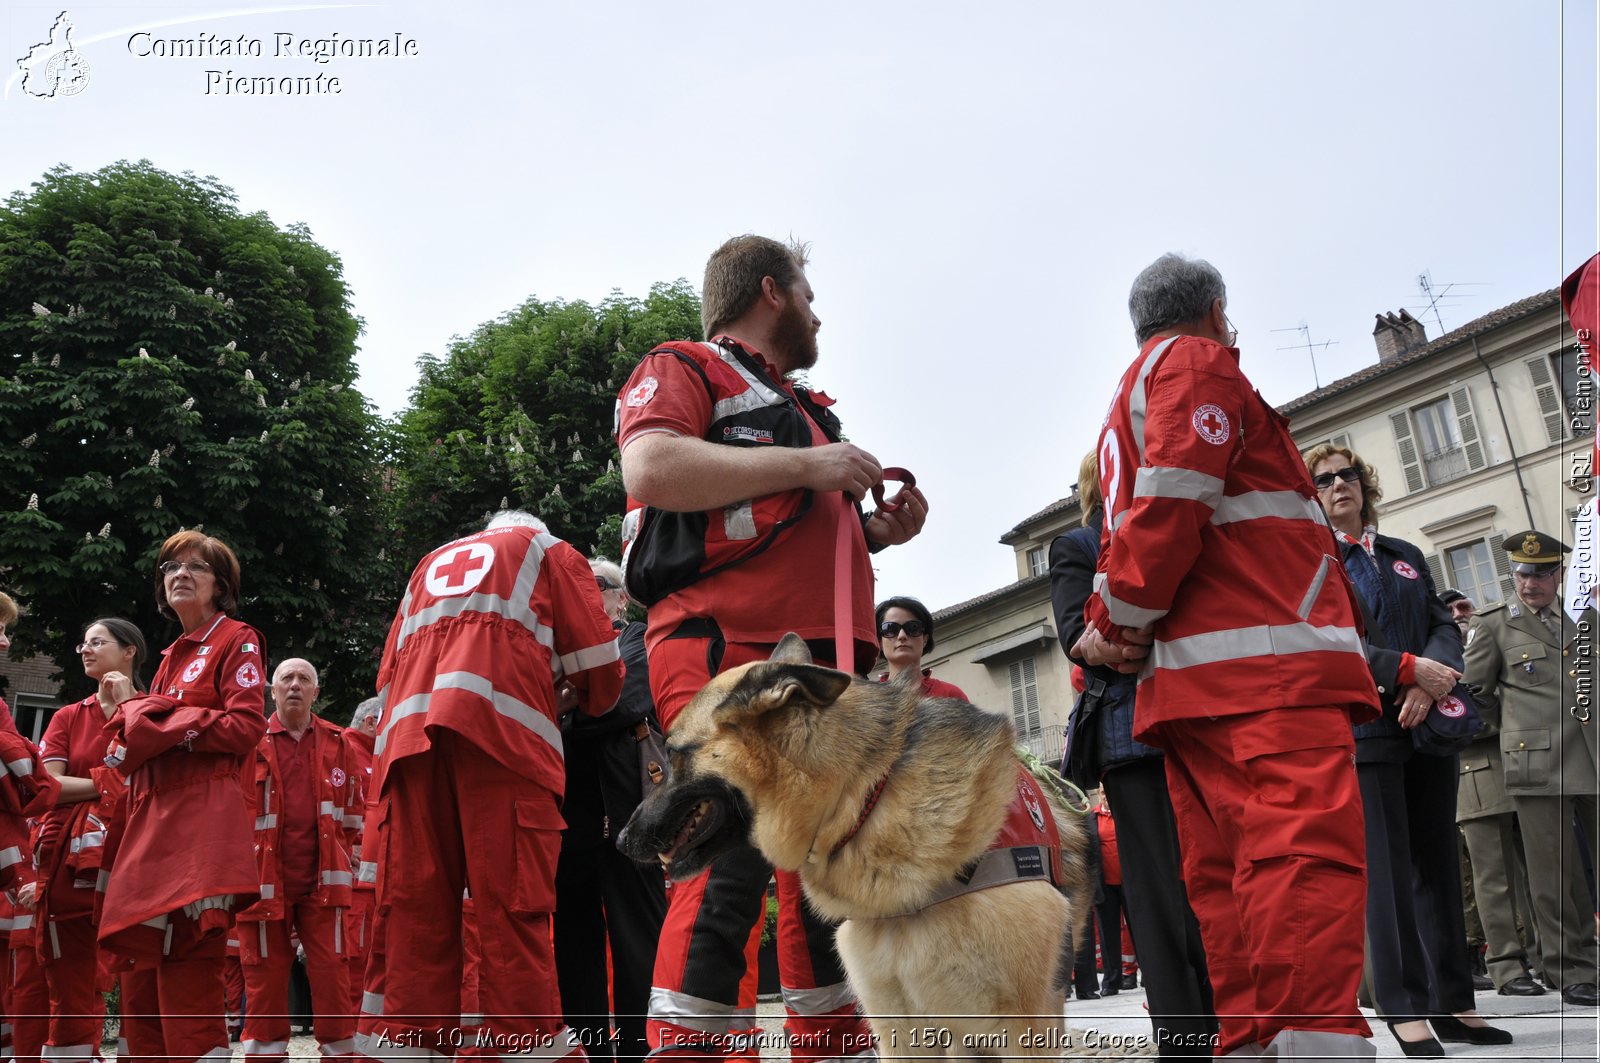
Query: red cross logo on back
[(460, 570)]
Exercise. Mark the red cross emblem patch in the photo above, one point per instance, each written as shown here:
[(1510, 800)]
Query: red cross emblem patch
[(644, 392), (459, 570), (1405, 570), (192, 672), (247, 675), (1451, 706), (1211, 424)]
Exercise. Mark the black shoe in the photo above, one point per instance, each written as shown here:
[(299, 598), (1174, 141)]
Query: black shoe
[(1481, 983), (1522, 986), (1429, 1048), (1452, 1030), (1584, 994), (1090, 995), (1109, 989), (1130, 981)]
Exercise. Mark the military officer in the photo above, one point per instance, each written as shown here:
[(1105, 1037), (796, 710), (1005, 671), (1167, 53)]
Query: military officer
[(1534, 666)]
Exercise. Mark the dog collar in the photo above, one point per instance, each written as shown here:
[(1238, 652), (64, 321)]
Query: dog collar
[(866, 810)]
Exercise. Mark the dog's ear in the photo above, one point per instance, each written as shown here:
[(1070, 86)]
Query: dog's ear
[(773, 686), (791, 649)]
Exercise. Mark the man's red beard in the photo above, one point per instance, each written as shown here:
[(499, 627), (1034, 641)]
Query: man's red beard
[(794, 337)]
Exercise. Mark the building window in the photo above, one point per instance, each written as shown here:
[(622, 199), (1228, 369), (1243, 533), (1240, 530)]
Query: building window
[(1038, 561), (1024, 699), (1438, 441), (1566, 394), (1480, 569)]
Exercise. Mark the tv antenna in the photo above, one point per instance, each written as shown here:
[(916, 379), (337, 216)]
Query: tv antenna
[(1309, 347), (1437, 295)]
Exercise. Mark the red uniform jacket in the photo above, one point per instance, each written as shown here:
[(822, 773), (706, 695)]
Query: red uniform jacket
[(1213, 536), (488, 626), (186, 836), (361, 749), (339, 812)]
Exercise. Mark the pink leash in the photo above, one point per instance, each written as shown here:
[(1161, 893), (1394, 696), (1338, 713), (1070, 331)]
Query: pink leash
[(844, 657)]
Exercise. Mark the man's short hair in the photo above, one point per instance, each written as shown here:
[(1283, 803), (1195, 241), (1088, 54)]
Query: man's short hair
[(371, 707), (1173, 290), (734, 273), (514, 518)]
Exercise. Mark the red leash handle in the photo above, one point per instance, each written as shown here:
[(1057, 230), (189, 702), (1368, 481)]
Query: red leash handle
[(843, 592), (900, 476)]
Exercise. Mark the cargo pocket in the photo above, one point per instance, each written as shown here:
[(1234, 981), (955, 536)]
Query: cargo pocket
[(375, 847), (537, 847), (1526, 758)]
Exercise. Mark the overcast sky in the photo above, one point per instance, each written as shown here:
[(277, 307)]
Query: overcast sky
[(980, 184)]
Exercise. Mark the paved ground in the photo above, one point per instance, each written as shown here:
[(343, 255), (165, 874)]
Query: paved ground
[(1118, 1027)]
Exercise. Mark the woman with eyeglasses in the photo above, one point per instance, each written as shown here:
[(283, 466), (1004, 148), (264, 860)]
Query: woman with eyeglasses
[(183, 858), (905, 633), (1416, 932), (71, 840)]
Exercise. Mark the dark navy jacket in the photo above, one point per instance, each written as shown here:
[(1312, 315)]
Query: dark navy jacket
[(1073, 557), (1398, 590)]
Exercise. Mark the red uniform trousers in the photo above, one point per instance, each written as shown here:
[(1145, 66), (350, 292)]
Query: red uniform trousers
[(358, 942), (450, 818), (703, 992), (27, 1005), (169, 1011), (233, 991), (267, 956), (70, 955), (1270, 825)]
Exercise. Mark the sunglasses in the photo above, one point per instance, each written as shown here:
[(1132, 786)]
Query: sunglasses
[(891, 628), (600, 581), (1324, 480)]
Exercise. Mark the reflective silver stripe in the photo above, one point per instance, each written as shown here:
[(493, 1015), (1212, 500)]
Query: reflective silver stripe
[(1265, 640), (1253, 505), (503, 703), (10, 856), (22, 922), (68, 1053), (336, 878), (381, 1046), (166, 945), (218, 1053), (739, 520), (818, 1001), (1137, 399), (410, 707), (471, 1018), (516, 608), (367, 872), (372, 1004), (268, 891), (1123, 614), (261, 929), (352, 822), (1169, 482), (268, 822), (338, 931), (5, 926), (266, 1048), (325, 809), (116, 755), (94, 839), (159, 922), (743, 402), (338, 1048), (1304, 612), (695, 1013), (22, 766), (590, 657), (760, 394), (55, 941), (102, 880)]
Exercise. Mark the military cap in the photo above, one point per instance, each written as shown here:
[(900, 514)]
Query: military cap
[(1533, 552), (1450, 596)]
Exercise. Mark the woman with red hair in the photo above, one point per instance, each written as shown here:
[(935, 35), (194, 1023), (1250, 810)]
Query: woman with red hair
[(183, 858)]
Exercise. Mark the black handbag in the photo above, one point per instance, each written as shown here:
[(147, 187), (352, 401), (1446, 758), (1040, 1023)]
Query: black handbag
[(1080, 761), (1450, 726)]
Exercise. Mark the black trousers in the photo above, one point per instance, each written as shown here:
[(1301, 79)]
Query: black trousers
[(1171, 957), (1108, 914), (1416, 932)]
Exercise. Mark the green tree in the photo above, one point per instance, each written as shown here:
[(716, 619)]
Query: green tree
[(167, 361), (521, 414)]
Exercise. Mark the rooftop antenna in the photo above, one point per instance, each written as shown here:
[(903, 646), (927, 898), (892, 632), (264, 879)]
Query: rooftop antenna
[(1436, 295), (1309, 347)]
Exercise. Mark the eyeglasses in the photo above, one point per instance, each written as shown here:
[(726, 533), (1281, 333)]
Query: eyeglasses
[(891, 629), (1233, 330), (600, 581), (92, 644), (198, 568), (1324, 480)]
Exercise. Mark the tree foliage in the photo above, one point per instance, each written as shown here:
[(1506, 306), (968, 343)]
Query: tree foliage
[(167, 361), (521, 414)]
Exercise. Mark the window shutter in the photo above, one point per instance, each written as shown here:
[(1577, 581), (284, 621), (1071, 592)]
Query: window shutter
[(1410, 461), (1342, 440), (1502, 566), (1467, 422), (1441, 579), (1544, 389)]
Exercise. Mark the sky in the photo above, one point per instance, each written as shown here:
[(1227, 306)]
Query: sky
[(979, 183)]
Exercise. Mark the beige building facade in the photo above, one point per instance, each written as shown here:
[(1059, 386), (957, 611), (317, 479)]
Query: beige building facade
[(1475, 435)]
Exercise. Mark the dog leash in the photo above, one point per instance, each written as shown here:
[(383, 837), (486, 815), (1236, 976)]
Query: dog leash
[(844, 657)]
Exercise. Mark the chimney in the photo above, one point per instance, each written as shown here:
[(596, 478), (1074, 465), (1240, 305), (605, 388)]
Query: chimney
[(1395, 334)]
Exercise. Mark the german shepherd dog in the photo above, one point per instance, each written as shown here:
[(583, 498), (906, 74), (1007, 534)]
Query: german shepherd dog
[(883, 800)]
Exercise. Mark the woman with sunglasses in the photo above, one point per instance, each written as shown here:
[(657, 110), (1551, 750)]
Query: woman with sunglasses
[(71, 837), (183, 858), (1416, 932), (905, 633)]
